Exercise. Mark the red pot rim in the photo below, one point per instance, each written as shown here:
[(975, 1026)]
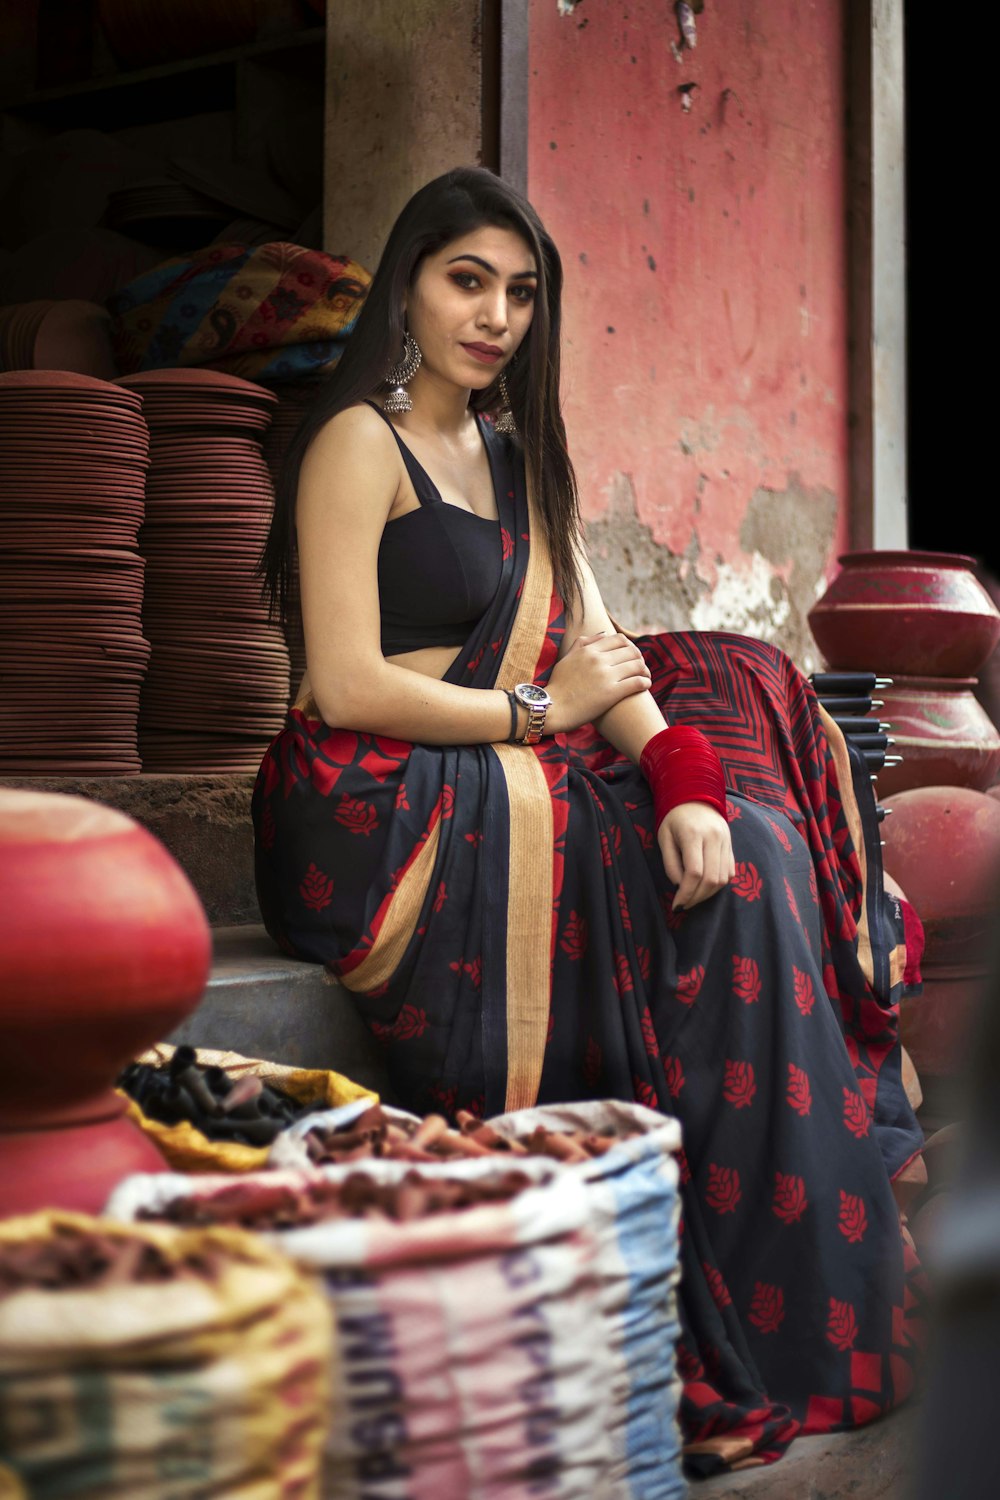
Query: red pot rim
[(916, 557)]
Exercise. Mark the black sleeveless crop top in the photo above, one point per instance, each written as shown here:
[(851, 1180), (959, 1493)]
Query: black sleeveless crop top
[(438, 567)]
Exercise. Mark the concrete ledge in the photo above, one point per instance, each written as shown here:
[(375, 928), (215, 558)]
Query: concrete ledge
[(262, 1004), (203, 820)]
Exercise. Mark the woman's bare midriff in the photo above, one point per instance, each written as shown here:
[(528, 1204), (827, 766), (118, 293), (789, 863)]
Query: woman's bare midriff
[(432, 661)]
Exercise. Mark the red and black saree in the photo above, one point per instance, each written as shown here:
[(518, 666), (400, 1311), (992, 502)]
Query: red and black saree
[(502, 916)]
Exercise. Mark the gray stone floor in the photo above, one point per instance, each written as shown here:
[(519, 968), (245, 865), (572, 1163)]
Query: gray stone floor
[(871, 1463)]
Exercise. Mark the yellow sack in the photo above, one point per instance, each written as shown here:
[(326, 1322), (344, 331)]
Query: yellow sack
[(209, 1377), (184, 1146), (11, 1487)]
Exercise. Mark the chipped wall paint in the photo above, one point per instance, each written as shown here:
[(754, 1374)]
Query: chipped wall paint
[(705, 360), (767, 594)]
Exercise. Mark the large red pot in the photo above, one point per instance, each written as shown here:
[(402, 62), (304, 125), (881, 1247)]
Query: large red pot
[(942, 845), (105, 948), (942, 732), (924, 614)]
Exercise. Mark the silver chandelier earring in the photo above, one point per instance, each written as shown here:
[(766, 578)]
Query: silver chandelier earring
[(504, 421), (400, 376)]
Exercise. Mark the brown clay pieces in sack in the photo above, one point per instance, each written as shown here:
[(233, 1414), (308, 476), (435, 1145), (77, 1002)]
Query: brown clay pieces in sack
[(260, 1202), (390, 1135), (92, 1258)]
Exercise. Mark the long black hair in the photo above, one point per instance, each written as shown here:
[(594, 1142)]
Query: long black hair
[(464, 199)]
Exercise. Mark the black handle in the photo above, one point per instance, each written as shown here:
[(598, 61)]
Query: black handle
[(842, 707), (871, 741), (853, 726), (851, 684)]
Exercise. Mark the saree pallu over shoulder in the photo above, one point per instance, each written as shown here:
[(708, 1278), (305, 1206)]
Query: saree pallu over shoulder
[(377, 899), (502, 916)]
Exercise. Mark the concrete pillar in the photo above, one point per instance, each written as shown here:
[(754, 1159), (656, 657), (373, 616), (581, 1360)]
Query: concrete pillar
[(411, 90), (877, 207)]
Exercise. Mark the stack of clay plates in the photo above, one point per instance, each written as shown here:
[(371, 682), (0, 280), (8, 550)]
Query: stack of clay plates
[(217, 687), (73, 457), (64, 335)]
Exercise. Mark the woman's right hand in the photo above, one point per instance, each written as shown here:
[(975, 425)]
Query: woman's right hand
[(597, 672)]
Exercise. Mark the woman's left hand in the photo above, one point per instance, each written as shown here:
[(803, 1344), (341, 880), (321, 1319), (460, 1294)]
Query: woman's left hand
[(697, 852)]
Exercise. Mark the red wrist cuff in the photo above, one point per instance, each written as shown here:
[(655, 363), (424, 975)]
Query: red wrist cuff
[(681, 766)]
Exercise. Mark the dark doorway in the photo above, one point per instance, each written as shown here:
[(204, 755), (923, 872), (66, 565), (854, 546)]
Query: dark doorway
[(952, 484)]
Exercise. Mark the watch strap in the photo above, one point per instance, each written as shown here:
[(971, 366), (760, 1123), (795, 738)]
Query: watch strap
[(536, 723), (513, 737)]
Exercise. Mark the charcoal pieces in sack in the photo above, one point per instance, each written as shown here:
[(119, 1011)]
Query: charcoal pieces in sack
[(211, 1111), (634, 1206), (148, 1361), (471, 1352), (244, 1109)]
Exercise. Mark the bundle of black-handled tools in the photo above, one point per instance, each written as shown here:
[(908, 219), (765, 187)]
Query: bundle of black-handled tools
[(848, 698), (245, 1110)]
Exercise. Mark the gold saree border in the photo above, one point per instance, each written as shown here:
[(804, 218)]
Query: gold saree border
[(842, 761), (529, 921), (735, 1451), (530, 861), (399, 922), (529, 913)]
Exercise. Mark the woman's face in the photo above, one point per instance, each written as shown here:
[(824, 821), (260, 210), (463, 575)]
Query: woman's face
[(471, 304)]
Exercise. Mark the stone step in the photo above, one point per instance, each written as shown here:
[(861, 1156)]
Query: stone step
[(260, 1003)]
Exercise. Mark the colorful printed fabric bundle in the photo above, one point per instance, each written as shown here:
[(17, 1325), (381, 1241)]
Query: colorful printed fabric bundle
[(267, 313)]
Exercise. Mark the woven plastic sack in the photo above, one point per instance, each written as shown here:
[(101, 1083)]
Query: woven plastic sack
[(187, 1149), (471, 1351), (213, 1382), (633, 1203), (11, 1487)]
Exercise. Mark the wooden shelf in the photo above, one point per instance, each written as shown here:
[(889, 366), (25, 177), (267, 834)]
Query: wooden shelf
[(192, 85)]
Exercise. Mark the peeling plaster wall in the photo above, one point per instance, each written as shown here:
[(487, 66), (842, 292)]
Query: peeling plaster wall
[(705, 312)]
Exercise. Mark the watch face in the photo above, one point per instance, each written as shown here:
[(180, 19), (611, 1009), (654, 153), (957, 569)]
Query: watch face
[(530, 692)]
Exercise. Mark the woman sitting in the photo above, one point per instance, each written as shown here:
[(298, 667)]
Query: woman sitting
[(478, 818)]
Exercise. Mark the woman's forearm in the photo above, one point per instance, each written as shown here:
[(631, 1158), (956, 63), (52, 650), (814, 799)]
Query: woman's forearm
[(631, 723), (404, 704)]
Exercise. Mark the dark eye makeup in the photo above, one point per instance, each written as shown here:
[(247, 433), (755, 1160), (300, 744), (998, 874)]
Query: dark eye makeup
[(469, 281)]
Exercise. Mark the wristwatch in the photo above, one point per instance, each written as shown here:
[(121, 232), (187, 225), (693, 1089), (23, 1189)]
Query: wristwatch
[(537, 701)]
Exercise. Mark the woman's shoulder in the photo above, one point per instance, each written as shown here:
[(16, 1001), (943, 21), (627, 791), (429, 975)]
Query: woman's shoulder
[(354, 451), (354, 425)]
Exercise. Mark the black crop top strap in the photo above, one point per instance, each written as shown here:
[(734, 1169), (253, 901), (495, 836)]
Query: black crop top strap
[(424, 487), (439, 566)]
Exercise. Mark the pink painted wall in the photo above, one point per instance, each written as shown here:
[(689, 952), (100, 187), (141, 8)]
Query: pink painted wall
[(706, 320)]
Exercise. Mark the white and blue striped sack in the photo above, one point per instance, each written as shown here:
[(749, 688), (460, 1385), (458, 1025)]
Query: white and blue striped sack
[(635, 1210)]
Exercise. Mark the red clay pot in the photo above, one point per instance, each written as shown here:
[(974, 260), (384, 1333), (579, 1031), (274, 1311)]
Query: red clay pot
[(923, 614), (942, 732), (942, 845), (105, 949)]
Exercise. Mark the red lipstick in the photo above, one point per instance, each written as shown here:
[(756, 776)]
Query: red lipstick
[(487, 354)]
